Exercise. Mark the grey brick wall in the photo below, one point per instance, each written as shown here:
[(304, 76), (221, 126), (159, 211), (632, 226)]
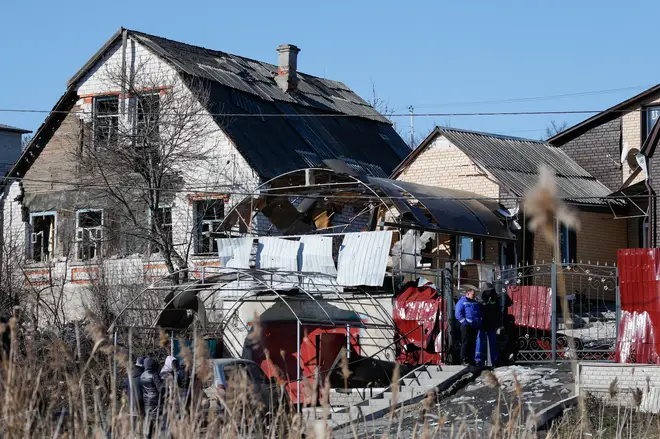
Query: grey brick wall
[(591, 151)]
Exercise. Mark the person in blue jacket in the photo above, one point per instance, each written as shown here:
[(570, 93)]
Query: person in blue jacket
[(468, 314)]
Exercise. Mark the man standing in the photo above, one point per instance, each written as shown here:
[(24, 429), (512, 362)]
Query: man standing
[(468, 314), (133, 388), (492, 320)]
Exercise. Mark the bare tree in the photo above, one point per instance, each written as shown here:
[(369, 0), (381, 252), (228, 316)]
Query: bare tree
[(555, 128), (139, 152)]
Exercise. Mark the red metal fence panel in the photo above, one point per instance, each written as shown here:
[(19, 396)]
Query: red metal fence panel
[(639, 290), (532, 306)]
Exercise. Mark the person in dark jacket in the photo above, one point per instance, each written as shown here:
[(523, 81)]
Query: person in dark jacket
[(152, 394), (468, 314), (133, 388), (492, 321)]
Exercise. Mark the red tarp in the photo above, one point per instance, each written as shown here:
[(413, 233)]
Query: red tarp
[(639, 290), (419, 316), (532, 306)]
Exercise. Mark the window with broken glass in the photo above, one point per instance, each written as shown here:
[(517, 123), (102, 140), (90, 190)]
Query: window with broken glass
[(42, 236), (89, 233), (209, 215), (163, 224), (106, 120), (147, 120)]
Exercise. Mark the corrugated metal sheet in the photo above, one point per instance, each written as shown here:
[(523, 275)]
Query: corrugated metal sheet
[(363, 258), (532, 306), (235, 252), (514, 162), (277, 254), (639, 289), (316, 261)]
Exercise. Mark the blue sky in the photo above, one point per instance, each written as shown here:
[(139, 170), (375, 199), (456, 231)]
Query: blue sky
[(438, 56)]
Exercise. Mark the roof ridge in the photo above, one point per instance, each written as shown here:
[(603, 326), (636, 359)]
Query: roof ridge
[(496, 135)]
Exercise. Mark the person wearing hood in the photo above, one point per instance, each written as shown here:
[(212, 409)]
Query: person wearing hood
[(168, 368), (133, 388), (152, 393), (492, 321), (468, 314)]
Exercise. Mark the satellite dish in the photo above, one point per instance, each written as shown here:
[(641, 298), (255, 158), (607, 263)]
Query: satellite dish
[(631, 159)]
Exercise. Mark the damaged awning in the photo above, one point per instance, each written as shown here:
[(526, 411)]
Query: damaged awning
[(454, 211), (338, 200)]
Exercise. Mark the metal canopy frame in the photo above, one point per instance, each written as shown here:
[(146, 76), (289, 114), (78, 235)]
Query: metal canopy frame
[(404, 202), (213, 279)]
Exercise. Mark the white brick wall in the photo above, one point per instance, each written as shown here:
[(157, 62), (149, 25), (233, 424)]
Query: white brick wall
[(596, 379)]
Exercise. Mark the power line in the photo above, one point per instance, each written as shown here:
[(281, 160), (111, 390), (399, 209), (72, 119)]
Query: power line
[(533, 98), (293, 115)]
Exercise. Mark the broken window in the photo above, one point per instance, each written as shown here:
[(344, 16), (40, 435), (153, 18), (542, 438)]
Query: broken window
[(209, 215), (568, 245), (472, 249), (42, 236), (106, 120), (89, 233), (162, 225)]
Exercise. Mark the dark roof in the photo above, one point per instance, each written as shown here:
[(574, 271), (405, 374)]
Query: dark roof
[(13, 129), (272, 145), (514, 162), (608, 115)]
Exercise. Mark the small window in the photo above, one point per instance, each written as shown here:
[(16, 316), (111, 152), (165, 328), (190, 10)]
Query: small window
[(106, 120), (164, 223), (472, 249), (42, 236), (89, 234), (651, 116), (568, 243), (209, 215)]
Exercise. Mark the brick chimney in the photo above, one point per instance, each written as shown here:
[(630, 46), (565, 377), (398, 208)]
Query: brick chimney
[(287, 67)]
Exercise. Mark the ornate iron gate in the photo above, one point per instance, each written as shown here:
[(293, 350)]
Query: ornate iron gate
[(561, 312)]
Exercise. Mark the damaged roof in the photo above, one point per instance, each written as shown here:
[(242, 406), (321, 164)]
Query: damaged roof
[(288, 130), (514, 162)]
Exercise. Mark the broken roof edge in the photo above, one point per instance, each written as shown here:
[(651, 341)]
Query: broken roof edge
[(598, 119)]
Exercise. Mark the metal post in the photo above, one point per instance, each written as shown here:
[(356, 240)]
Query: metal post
[(172, 343), (458, 262), (554, 310), (618, 301), (114, 363), (421, 343), (348, 342), (298, 366)]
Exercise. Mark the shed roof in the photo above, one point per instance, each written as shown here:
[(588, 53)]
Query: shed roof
[(514, 162), (4, 127)]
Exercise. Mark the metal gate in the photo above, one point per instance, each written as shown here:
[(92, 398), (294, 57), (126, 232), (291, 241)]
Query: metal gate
[(561, 312)]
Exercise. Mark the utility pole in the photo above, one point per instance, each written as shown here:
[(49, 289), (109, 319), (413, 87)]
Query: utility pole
[(412, 126)]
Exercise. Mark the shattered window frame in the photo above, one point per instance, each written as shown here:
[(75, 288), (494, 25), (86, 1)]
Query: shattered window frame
[(106, 120), (89, 234), (40, 249), (208, 221), (164, 211)]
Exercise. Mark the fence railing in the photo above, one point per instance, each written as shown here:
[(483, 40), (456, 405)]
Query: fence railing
[(562, 311)]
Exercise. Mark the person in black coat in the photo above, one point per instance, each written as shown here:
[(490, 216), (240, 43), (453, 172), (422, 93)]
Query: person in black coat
[(152, 393), (132, 382), (491, 312)]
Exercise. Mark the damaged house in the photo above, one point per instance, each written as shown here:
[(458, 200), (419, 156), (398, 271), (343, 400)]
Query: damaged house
[(153, 141)]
